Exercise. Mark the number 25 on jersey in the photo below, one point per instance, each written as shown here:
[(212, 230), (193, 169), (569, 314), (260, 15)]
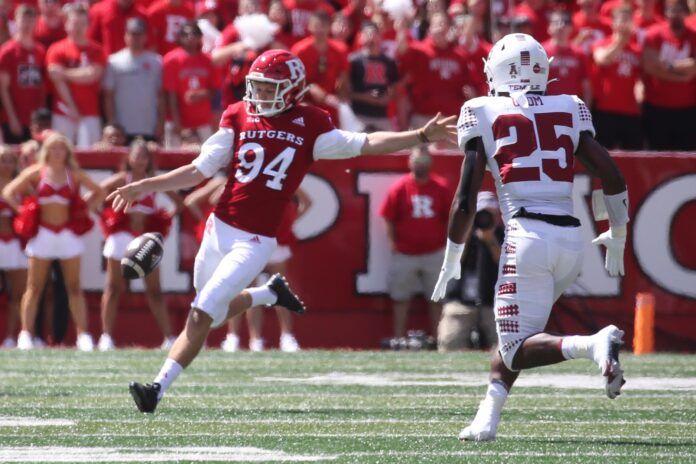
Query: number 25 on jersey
[(251, 160), (531, 136)]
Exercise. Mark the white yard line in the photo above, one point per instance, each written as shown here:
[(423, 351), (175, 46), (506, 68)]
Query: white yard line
[(573, 381), (69, 454), (10, 421)]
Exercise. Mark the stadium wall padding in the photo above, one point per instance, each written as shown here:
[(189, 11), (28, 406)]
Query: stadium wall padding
[(340, 260)]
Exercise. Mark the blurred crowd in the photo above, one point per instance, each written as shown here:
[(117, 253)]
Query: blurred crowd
[(107, 72)]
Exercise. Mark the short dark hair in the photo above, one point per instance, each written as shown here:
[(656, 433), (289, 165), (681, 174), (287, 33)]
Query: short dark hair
[(322, 16), (192, 26), (41, 115)]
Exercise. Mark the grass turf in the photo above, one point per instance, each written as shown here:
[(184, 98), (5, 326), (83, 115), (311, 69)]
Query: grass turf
[(343, 407)]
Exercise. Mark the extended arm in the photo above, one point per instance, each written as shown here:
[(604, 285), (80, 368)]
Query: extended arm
[(462, 214), (437, 129), (20, 185), (599, 163)]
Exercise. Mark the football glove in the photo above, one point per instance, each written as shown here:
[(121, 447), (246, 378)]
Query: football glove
[(614, 240), (451, 269)]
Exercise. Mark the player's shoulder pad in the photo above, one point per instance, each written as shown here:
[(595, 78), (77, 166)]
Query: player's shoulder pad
[(315, 118), (477, 102), (231, 114)]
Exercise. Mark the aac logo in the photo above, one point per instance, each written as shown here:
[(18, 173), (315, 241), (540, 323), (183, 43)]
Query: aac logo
[(513, 70)]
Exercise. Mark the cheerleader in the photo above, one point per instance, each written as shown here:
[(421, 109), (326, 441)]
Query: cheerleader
[(52, 219), (13, 261), (122, 227)]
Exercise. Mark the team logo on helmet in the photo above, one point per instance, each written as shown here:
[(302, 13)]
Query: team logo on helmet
[(513, 70)]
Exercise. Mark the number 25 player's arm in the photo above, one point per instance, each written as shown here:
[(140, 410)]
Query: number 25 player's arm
[(216, 153), (596, 160)]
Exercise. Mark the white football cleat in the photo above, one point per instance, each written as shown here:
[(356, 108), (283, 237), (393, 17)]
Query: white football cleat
[(25, 341), (168, 343), (288, 343), (105, 343), (231, 343), (484, 425), (84, 342), (256, 345), (605, 353)]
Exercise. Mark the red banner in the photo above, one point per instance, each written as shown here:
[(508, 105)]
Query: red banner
[(340, 261)]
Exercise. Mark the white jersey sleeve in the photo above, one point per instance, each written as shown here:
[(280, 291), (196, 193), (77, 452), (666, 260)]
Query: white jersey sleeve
[(468, 125), (339, 144), (216, 152), (584, 117)]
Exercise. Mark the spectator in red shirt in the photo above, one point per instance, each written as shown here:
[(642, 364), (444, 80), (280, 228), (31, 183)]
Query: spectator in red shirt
[(326, 63), (589, 27), (416, 213), (644, 17), (165, 18), (690, 20), (22, 86), (537, 11), (616, 114), (107, 23), (569, 64), (190, 81), (75, 67), (474, 50), (49, 27), (300, 13), (234, 55), (434, 72), (281, 16), (669, 64)]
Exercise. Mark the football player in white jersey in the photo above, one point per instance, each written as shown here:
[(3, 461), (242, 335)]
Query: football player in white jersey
[(529, 141)]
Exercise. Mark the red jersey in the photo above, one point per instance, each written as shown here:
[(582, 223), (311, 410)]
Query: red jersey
[(670, 47), (183, 72), (569, 67), (419, 213), (165, 20), (473, 57), (107, 24), (642, 25), (614, 83), (270, 157), (323, 69), (69, 55), (47, 36), (436, 77), (26, 70), (538, 19), (300, 12), (286, 236), (598, 28), (690, 22)]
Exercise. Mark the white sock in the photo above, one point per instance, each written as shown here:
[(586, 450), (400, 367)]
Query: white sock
[(577, 346), (262, 296), (167, 375), (492, 405)]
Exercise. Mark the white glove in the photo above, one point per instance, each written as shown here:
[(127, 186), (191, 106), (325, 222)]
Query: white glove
[(615, 241), (451, 269)]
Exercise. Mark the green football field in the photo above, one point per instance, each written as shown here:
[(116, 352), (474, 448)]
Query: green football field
[(339, 407)]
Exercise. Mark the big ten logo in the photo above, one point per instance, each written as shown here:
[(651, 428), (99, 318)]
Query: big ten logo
[(422, 207), (93, 273), (174, 23)]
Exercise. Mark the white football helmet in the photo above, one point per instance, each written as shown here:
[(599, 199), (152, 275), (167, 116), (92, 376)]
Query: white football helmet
[(517, 64)]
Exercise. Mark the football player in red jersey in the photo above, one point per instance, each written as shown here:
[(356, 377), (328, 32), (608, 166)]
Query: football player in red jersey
[(269, 141)]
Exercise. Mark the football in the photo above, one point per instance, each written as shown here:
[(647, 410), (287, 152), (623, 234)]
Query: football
[(143, 255)]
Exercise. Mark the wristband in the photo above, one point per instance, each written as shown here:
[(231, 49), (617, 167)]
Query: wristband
[(421, 136), (453, 252), (617, 208)]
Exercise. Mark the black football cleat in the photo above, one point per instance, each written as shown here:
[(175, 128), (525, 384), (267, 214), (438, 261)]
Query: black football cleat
[(145, 396), (286, 297)]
